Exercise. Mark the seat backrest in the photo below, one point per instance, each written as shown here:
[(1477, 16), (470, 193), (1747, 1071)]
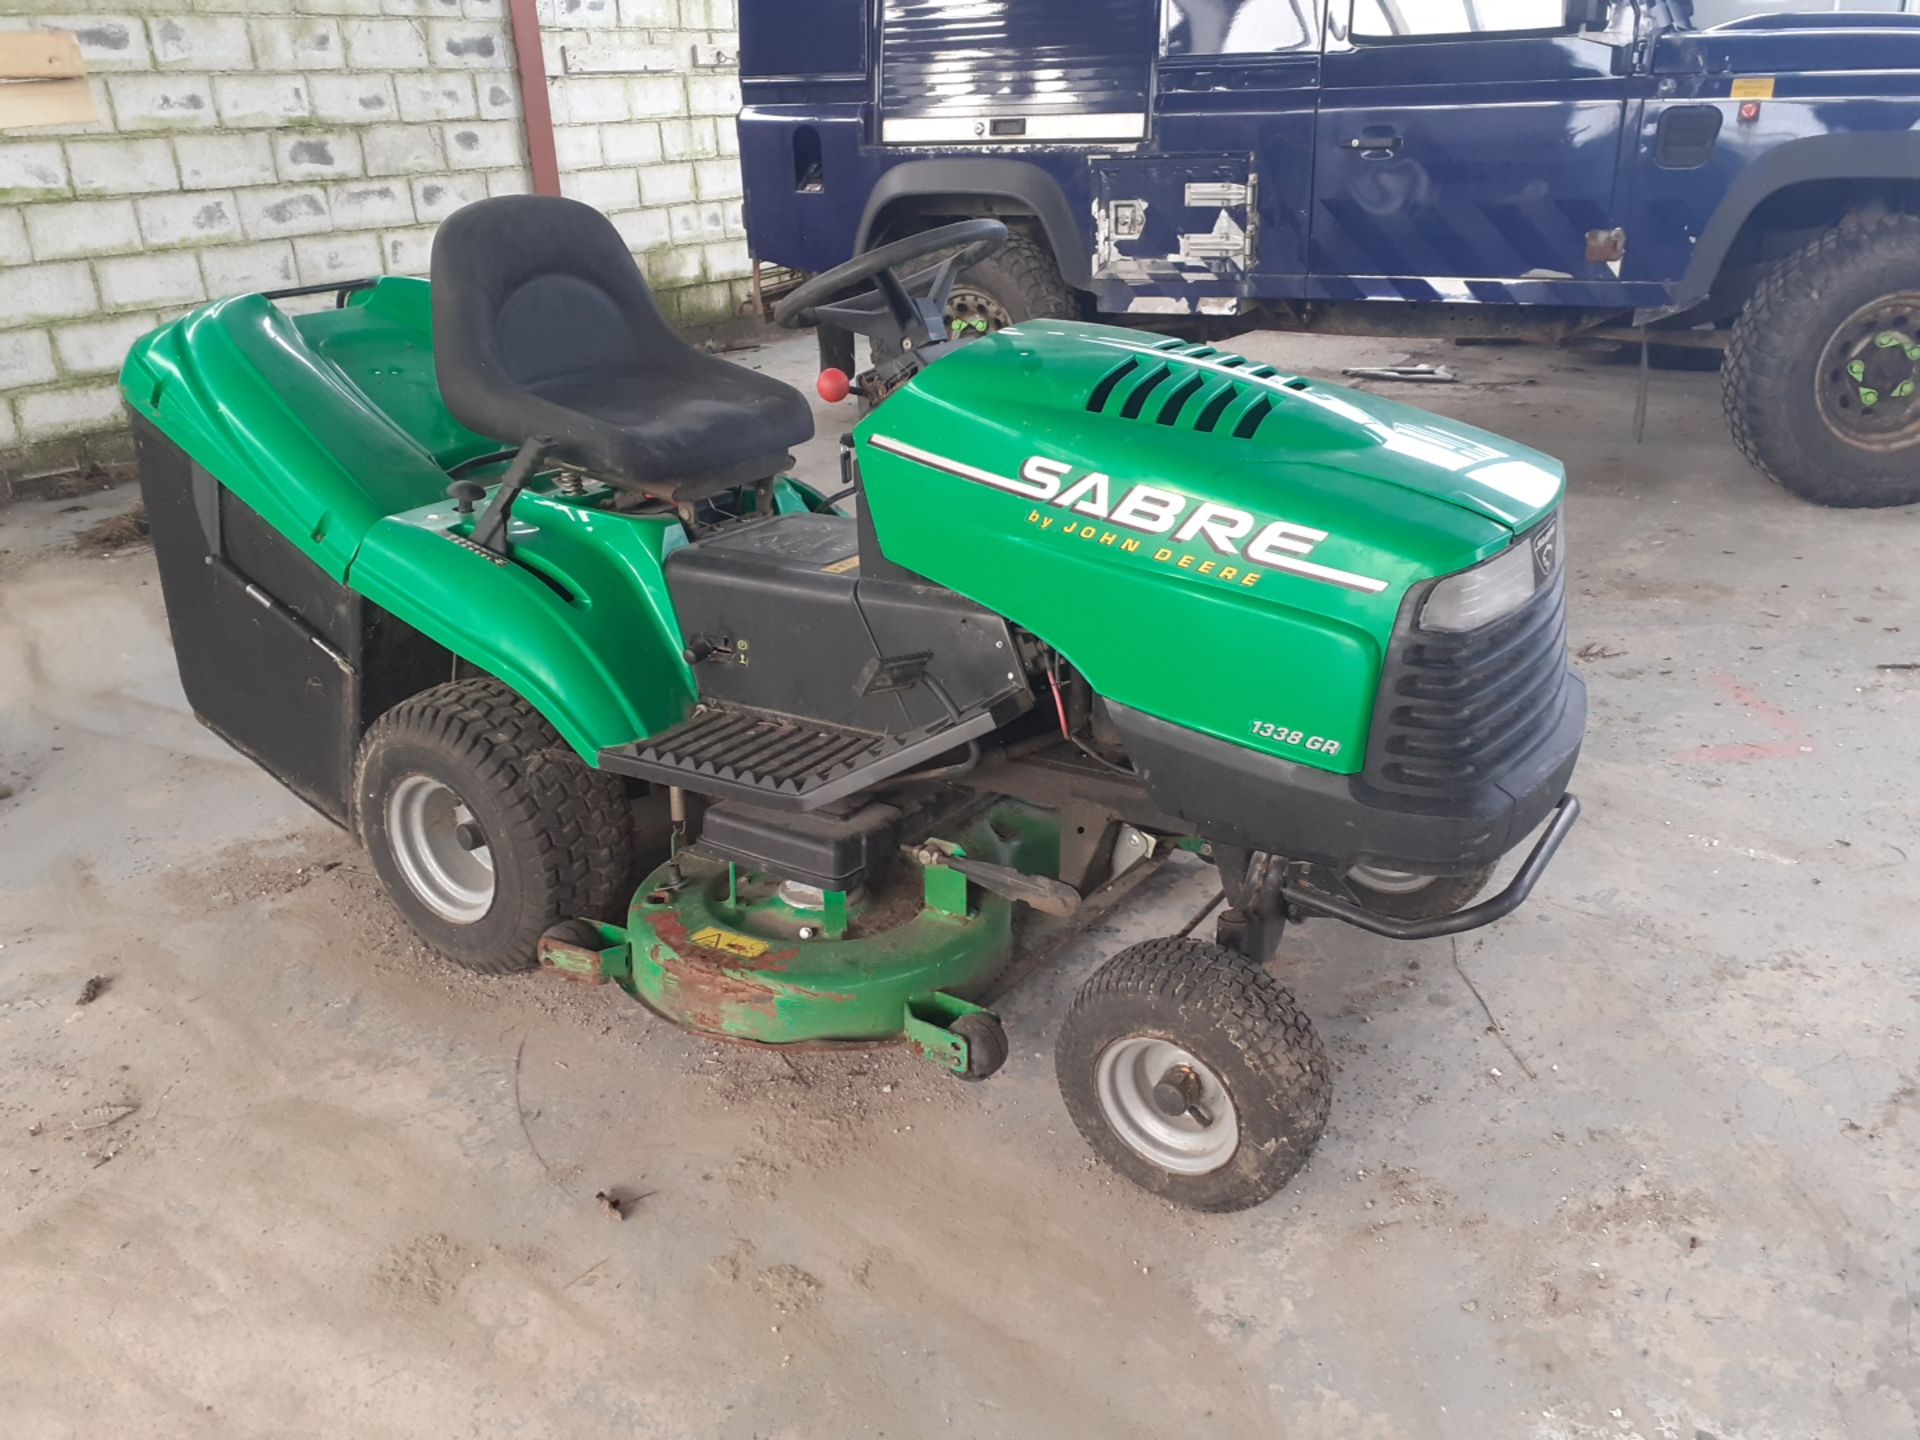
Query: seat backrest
[(531, 289)]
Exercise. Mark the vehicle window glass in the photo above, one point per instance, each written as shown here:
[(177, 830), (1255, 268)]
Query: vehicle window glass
[(1391, 19), (1238, 27), (1709, 13)]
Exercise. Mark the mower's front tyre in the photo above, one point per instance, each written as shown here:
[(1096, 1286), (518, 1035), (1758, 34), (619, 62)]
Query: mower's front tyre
[(1192, 1072), (485, 828), (1405, 896)]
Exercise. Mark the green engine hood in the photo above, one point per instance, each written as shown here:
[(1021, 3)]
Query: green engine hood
[(1096, 389), (1207, 538)]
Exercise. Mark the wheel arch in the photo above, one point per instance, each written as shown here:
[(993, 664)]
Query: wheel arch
[(997, 186), (581, 629), (1802, 186)]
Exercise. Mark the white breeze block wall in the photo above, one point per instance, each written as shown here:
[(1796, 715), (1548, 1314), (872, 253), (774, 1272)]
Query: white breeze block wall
[(644, 95), (254, 144)]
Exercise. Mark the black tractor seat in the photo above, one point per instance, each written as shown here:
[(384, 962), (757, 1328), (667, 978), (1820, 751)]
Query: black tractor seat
[(544, 328)]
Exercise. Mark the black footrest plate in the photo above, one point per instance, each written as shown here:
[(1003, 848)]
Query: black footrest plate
[(781, 760)]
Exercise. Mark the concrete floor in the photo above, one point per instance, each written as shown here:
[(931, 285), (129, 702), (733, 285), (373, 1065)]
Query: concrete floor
[(1670, 1194)]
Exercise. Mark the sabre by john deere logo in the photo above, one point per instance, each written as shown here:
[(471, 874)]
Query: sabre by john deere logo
[(1073, 499)]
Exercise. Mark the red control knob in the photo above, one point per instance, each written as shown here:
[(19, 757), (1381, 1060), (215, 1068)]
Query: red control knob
[(834, 386)]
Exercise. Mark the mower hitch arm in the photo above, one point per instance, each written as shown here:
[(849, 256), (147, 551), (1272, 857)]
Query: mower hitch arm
[(1493, 908), (1050, 897)]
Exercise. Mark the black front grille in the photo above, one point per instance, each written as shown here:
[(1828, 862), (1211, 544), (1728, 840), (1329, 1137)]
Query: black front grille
[(1457, 711)]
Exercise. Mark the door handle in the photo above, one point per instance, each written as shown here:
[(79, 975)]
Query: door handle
[(1374, 144)]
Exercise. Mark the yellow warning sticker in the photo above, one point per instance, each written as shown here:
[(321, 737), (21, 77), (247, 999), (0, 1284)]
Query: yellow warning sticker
[(841, 567), (714, 938), (1753, 87)]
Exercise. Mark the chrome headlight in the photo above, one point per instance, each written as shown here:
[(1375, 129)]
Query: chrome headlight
[(1496, 588)]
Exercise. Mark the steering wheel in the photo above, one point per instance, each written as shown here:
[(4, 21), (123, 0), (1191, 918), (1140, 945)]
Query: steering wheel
[(868, 296)]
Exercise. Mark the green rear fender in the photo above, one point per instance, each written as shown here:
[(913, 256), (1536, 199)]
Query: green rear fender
[(253, 396), (582, 626)]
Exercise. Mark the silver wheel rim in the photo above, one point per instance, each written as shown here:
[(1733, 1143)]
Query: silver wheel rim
[(424, 819), (1124, 1079), (1388, 882)]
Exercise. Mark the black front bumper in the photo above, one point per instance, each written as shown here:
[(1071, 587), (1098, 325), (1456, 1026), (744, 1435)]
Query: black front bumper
[(1237, 796)]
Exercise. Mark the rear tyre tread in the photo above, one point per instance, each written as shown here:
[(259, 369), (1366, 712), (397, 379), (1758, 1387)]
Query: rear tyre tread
[(569, 828)]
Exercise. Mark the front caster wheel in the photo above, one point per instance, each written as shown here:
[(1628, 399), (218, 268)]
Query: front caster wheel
[(1192, 1072), (484, 827), (986, 1041)]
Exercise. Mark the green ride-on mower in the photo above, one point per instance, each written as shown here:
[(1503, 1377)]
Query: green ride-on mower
[(499, 572)]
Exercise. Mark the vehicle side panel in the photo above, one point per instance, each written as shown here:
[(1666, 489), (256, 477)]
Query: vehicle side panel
[(1446, 162), (1815, 112)]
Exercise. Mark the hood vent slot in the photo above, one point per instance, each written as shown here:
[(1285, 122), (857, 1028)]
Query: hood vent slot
[(1137, 401), (1250, 422), (1104, 390), (1200, 399), (1178, 397), (1211, 412)]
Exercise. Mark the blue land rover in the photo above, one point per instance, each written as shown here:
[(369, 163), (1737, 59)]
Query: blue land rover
[(1737, 175)]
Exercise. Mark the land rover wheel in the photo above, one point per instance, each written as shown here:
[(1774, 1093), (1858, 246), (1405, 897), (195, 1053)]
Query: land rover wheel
[(1822, 375), (485, 828), (1019, 281)]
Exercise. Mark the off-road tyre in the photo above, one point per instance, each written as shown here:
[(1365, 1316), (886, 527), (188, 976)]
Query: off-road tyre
[(1443, 895), (1025, 278), (1767, 383), (1233, 1017), (559, 832)]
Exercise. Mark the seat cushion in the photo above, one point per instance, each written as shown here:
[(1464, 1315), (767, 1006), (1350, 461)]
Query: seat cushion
[(544, 327), (704, 415)]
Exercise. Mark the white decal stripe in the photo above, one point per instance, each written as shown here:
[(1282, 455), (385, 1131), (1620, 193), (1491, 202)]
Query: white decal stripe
[(940, 462), (1366, 584)]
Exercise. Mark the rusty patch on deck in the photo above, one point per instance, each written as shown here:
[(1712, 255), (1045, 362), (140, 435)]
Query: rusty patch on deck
[(713, 989)]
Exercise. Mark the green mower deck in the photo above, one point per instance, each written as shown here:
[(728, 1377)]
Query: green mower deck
[(740, 957)]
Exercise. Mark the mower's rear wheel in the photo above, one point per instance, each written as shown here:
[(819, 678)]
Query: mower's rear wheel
[(485, 828), (1192, 1072)]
